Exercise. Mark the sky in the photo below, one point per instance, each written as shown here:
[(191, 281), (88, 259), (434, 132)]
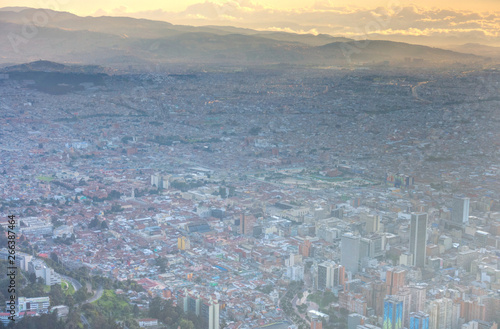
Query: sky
[(89, 7), (430, 22)]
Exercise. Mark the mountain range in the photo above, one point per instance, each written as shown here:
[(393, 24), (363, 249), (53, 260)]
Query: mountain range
[(32, 34)]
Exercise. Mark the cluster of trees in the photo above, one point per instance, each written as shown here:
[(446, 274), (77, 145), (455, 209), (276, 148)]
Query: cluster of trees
[(186, 186), (110, 284), (45, 321), (113, 195), (61, 184), (267, 289), (323, 299), (113, 305), (254, 131), (80, 274), (166, 140), (97, 224), (162, 263), (338, 319), (226, 192), (294, 288), (166, 312), (66, 240), (126, 139), (28, 285), (141, 192)]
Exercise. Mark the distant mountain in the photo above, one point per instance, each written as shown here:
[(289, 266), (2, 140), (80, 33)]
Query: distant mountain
[(477, 49), (389, 50), (115, 41), (48, 66), (55, 78)]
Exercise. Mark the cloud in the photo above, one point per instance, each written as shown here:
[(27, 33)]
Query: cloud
[(290, 30), (325, 17)]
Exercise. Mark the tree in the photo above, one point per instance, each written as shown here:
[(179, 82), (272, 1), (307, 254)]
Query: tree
[(132, 324), (69, 301), (162, 263), (72, 320), (116, 208), (81, 295), (222, 192), (155, 307), (254, 131), (54, 257), (94, 222), (136, 310), (186, 324), (32, 277), (114, 195), (56, 295)]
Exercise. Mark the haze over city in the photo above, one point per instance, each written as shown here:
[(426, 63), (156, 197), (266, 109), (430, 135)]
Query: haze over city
[(247, 164)]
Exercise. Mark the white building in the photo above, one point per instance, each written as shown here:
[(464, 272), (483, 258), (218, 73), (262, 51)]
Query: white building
[(41, 270)]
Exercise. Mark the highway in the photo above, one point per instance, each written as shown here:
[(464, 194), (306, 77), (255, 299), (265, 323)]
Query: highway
[(86, 323), (98, 294), (73, 282)]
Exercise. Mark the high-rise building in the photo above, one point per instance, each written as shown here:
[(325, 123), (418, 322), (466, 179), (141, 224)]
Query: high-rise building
[(316, 323), (372, 223), (209, 313), (329, 275), (372, 246), (394, 280), (349, 256), (460, 211), (354, 320), (404, 295), (338, 213), (295, 273), (305, 248), (378, 296), (206, 308), (418, 297), (418, 238), (472, 309), (419, 320), (393, 313), (440, 313), (41, 270), (456, 320), (183, 243), (193, 304), (247, 223), (160, 181)]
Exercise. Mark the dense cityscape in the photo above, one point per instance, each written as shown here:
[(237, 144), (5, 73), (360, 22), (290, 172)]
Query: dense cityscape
[(260, 196)]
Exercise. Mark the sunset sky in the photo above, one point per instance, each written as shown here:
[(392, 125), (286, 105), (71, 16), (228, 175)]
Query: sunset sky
[(89, 7), (430, 22)]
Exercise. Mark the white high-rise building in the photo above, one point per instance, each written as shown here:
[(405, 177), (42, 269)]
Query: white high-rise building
[(440, 313), (329, 275), (41, 270), (295, 272), (372, 223), (460, 211), (418, 238), (209, 313), (349, 256)]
